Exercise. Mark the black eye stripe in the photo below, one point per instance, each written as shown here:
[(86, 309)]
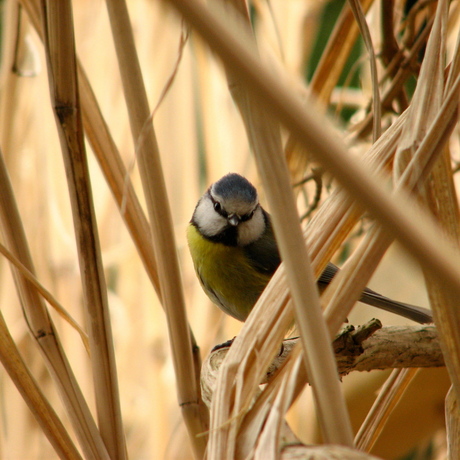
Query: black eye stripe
[(247, 216), (218, 208)]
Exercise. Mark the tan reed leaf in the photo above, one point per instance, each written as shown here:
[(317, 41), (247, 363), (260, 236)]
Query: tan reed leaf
[(364, 186), (36, 401), (389, 396), (453, 424), (358, 12), (172, 296), (29, 276), (117, 176), (251, 72), (265, 140), (336, 54), (324, 80), (440, 191), (41, 326)]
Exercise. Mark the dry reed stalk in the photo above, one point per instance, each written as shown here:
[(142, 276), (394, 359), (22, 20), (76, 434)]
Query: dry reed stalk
[(193, 410), (38, 404), (324, 238), (29, 276), (439, 193), (117, 176), (118, 180), (388, 398), (16, 28), (364, 186), (358, 12), (335, 55), (42, 328), (403, 64), (443, 203), (376, 243), (44, 331), (324, 80), (202, 25), (61, 60), (265, 139), (452, 425)]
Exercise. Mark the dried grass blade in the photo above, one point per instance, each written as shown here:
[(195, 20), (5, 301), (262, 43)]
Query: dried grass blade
[(406, 221), (117, 176), (389, 396), (193, 410), (336, 54), (247, 360), (403, 73), (40, 407), (337, 213), (29, 276), (377, 110), (265, 139), (294, 371), (442, 200), (270, 442), (42, 328), (61, 60), (440, 191), (325, 78), (431, 145), (452, 425)]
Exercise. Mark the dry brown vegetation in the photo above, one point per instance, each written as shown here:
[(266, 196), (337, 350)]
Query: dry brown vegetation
[(114, 121)]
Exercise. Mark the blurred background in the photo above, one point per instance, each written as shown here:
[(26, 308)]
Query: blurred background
[(201, 138)]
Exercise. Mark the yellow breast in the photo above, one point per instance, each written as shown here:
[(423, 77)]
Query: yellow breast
[(226, 274)]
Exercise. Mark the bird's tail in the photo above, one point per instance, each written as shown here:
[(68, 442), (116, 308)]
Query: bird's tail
[(419, 314)]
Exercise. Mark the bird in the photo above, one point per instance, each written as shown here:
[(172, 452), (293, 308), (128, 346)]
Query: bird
[(234, 252)]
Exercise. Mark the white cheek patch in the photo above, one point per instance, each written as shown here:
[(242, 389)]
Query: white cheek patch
[(208, 220), (251, 230)]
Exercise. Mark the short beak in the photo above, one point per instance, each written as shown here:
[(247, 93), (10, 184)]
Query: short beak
[(233, 220)]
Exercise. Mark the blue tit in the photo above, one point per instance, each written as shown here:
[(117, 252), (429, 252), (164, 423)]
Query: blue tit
[(235, 254)]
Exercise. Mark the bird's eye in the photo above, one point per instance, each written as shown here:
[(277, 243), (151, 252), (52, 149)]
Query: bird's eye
[(217, 206)]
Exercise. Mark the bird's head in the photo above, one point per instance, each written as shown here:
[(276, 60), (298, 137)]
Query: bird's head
[(229, 212)]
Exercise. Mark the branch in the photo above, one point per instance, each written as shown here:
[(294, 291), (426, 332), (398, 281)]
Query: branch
[(363, 348)]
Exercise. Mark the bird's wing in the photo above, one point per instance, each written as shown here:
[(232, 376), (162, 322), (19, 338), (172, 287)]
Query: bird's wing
[(327, 275), (263, 253), (413, 312)]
